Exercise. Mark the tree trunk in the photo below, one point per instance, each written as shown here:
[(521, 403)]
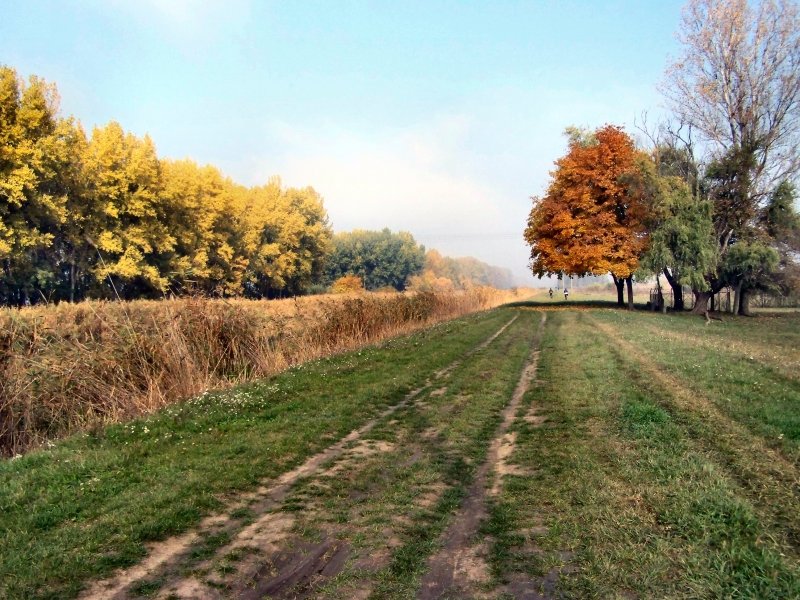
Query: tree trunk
[(737, 298), (744, 303), (700, 302), (629, 283), (72, 281), (662, 304), (619, 283), (677, 291)]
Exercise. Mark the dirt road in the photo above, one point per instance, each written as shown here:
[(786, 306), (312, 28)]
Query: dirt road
[(394, 509)]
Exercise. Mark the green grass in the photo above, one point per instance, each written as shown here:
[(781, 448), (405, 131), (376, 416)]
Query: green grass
[(636, 496), (739, 370), (377, 497), (88, 505), (667, 466)]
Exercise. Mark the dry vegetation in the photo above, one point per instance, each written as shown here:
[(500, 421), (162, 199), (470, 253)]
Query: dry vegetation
[(73, 366)]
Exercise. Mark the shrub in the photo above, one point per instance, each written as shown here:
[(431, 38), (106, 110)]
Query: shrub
[(346, 284)]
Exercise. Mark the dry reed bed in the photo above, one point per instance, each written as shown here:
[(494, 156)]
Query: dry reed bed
[(69, 367)]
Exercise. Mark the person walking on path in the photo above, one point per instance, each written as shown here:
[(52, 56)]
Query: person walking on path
[(566, 294), (551, 293)]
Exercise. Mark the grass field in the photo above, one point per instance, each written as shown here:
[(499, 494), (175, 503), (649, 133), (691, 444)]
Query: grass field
[(537, 449)]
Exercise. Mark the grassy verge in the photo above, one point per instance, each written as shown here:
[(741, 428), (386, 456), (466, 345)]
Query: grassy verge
[(90, 503), (740, 365), (391, 498), (464, 420), (666, 466), (627, 499)]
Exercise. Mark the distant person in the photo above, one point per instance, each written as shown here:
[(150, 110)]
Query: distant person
[(566, 294), (551, 293)]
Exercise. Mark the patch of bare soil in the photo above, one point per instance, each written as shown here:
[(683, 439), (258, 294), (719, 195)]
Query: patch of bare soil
[(504, 467), (295, 573), (362, 450), (301, 565), (522, 587), (459, 569), (264, 536)]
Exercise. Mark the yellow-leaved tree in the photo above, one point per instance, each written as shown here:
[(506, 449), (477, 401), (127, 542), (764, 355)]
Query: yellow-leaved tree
[(203, 211), (105, 216), (124, 187), (288, 237)]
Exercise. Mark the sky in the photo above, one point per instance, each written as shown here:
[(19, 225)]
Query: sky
[(438, 118)]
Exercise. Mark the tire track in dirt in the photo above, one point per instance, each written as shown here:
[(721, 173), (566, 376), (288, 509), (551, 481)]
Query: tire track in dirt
[(459, 568), (164, 556), (768, 478)]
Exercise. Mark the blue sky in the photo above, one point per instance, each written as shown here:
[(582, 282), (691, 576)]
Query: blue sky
[(440, 118)]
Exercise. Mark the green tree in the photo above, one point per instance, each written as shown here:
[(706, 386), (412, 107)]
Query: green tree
[(379, 258), (781, 221), (682, 242), (737, 85), (748, 266)]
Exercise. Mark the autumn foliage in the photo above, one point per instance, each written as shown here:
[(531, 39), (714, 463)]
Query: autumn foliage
[(346, 284), (102, 216), (591, 221)]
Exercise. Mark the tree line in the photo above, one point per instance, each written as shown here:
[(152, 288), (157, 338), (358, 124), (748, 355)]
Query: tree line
[(102, 216), (376, 260), (444, 273), (709, 200)]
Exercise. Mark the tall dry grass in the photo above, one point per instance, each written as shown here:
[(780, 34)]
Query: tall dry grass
[(68, 367)]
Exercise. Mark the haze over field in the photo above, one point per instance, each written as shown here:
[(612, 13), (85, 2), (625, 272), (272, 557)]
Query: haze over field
[(439, 120)]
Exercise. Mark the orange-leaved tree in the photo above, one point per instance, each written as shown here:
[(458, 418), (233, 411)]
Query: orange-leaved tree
[(591, 221)]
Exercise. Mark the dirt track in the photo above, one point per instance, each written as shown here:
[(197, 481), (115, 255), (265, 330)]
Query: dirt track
[(330, 527)]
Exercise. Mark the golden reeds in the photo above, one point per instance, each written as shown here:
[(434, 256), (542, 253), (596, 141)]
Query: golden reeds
[(68, 367)]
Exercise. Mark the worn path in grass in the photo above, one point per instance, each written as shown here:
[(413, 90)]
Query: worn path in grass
[(97, 502), (253, 521), (594, 453), (359, 518), (460, 569)]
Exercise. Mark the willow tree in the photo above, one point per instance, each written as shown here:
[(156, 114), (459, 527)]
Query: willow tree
[(682, 242), (591, 221)]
